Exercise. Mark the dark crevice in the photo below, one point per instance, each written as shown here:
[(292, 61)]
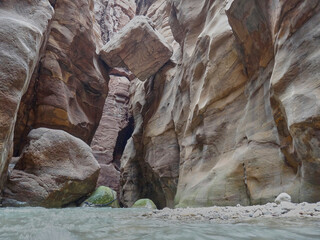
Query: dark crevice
[(52, 2), (122, 139), (143, 6), (245, 180)]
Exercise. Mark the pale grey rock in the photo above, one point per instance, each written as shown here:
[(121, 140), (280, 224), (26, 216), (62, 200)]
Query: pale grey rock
[(139, 47), (282, 197), (257, 213)]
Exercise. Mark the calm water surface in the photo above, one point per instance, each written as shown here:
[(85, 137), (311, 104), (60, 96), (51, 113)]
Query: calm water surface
[(127, 224)]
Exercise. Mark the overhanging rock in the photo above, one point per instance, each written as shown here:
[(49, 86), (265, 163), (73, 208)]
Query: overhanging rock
[(138, 47)]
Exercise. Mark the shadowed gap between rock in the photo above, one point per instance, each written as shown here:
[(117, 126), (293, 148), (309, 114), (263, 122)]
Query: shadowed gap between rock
[(122, 139)]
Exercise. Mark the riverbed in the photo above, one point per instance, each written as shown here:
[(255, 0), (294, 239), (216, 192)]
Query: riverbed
[(135, 224)]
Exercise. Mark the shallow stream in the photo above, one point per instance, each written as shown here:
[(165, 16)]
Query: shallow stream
[(128, 224)]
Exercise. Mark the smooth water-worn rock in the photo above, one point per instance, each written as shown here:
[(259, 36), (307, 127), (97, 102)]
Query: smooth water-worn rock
[(54, 169), (23, 28), (144, 203), (69, 90), (102, 197), (234, 117), (139, 47), (282, 197)]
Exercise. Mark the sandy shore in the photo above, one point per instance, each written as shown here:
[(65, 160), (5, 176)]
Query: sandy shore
[(239, 213)]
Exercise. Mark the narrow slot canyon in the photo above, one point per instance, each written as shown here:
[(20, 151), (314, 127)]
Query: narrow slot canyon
[(159, 111)]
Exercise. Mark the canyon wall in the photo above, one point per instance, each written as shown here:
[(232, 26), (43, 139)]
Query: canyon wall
[(65, 81), (69, 89), (23, 29), (233, 117)]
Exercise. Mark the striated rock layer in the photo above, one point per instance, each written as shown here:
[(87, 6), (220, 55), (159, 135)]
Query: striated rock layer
[(23, 27), (69, 89), (115, 126), (112, 16), (113, 129), (233, 117)]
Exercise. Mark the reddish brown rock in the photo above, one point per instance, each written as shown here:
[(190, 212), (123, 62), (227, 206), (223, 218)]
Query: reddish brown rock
[(112, 130), (70, 88), (23, 27), (112, 16), (109, 140), (237, 114), (55, 169), (138, 47)]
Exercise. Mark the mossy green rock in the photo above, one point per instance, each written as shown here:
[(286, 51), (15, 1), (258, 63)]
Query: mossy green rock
[(102, 197), (144, 203)]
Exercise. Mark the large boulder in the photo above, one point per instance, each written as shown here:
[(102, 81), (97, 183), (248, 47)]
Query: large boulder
[(23, 27), (55, 169), (139, 47)]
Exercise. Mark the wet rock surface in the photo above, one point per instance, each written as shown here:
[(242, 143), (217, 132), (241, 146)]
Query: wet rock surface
[(102, 197), (55, 169)]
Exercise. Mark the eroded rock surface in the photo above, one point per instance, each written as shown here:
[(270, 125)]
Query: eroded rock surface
[(112, 16), (113, 129), (69, 90), (115, 126), (233, 119), (55, 169), (23, 27), (138, 47)]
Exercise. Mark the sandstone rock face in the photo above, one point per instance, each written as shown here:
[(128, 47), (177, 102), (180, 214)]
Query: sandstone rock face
[(150, 162), (23, 27), (55, 169), (112, 16), (138, 47), (111, 135), (233, 117), (113, 125), (69, 90)]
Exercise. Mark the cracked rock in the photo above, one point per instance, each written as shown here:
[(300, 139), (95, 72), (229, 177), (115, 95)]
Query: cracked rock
[(139, 47)]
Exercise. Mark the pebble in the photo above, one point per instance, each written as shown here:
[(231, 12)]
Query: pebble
[(257, 213)]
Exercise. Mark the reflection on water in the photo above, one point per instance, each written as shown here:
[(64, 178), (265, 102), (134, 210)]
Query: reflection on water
[(127, 224)]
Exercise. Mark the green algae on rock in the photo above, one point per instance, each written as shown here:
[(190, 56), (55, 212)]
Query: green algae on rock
[(144, 203), (102, 197)]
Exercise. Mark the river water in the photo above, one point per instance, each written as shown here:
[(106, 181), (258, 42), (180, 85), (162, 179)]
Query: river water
[(128, 224)]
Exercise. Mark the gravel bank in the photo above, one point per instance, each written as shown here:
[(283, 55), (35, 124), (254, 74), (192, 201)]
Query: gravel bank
[(239, 213)]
